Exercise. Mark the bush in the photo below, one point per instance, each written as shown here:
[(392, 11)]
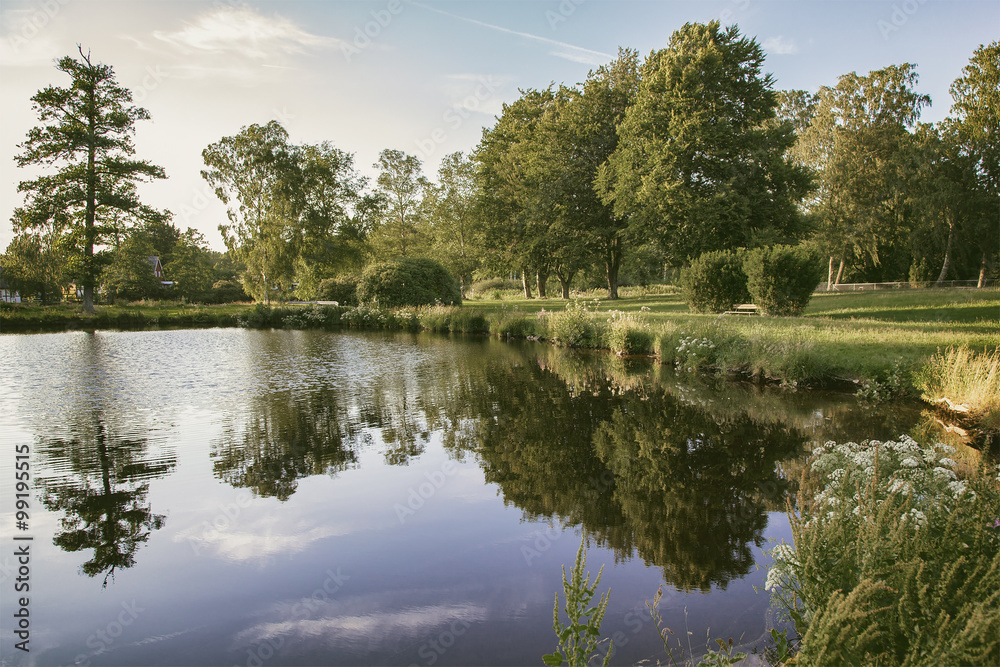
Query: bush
[(781, 279), (715, 282), (575, 326), (226, 291), (408, 282), (628, 334), (344, 292)]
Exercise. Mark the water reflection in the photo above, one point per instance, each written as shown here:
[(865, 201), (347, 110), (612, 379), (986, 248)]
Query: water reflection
[(283, 437), (102, 494), (643, 472)]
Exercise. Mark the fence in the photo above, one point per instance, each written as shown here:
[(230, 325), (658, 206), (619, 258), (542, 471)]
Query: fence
[(866, 287)]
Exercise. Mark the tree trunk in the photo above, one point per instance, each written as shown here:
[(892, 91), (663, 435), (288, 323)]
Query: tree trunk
[(947, 256), (982, 272), (613, 260), (840, 272), (526, 283), (829, 275), (564, 283), (89, 230), (540, 280)]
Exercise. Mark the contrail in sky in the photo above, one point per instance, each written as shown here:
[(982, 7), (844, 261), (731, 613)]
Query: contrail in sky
[(546, 40)]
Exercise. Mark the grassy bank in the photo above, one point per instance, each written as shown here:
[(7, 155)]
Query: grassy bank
[(886, 342)]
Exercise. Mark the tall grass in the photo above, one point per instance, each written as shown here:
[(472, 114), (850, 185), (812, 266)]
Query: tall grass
[(965, 378)]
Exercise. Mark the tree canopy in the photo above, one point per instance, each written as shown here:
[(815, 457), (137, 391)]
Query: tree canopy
[(86, 135)]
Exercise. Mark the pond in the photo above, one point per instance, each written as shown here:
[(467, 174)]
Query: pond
[(239, 497)]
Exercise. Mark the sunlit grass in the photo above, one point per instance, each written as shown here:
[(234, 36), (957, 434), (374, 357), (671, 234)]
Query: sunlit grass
[(965, 377)]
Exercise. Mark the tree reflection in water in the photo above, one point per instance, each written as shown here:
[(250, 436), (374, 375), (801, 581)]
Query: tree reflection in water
[(103, 494)]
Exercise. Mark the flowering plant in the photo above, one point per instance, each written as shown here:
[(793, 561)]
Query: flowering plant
[(893, 560)]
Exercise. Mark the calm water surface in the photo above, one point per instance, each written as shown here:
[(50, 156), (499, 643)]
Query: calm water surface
[(234, 497)]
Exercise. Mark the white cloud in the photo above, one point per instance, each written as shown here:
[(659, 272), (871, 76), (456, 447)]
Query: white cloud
[(28, 40), (413, 621), (244, 32), (780, 46)]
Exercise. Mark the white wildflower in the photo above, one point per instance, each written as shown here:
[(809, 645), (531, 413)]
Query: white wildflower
[(957, 488), (910, 462)]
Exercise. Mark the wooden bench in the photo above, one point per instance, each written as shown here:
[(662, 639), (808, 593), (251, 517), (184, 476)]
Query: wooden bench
[(744, 309)]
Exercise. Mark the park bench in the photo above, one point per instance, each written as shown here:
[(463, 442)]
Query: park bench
[(744, 309)]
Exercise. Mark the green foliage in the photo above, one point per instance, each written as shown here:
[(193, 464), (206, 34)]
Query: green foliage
[(129, 276), (453, 319), (494, 288), (87, 135), (700, 166), (226, 291), (512, 323), (579, 639), (896, 559), (344, 292), (190, 267), (575, 326), (399, 229), (892, 384), (32, 265), (262, 316), (715, 282), (628, 334), (781, 279), (408, 282), (374, 317)]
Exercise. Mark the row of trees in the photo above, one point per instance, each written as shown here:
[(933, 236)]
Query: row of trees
[(643, 167)]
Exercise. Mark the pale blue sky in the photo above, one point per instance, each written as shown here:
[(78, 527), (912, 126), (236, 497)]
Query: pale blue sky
[(423, 77)]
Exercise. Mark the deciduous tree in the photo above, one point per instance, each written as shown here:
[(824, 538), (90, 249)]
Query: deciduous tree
[(699, 165)]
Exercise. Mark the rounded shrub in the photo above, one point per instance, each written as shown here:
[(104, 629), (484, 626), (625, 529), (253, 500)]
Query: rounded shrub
[(715, 282), (408, 282), (781, 278), (226, 291), (344, 292)]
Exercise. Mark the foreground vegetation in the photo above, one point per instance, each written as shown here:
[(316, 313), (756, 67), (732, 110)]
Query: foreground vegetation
[(896, 558)]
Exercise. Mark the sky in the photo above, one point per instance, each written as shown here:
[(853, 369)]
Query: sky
[(422, 77)]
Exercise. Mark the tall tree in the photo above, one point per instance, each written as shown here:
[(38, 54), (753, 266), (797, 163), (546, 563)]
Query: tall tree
[(513, 203), (250, 172), (86, 133), (325, 191), (698, 165), (976, 107), (455, 228), (402, 185), (858, 143), (578, 136)]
